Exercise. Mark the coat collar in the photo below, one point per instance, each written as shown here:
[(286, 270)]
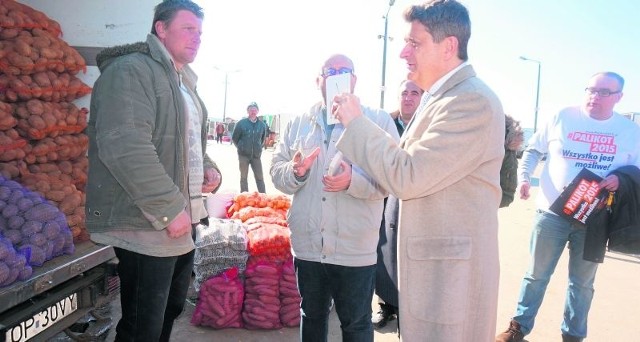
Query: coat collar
[(458, 77)]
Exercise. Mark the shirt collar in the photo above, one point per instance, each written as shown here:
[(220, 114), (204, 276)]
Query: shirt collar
[(436, 86)]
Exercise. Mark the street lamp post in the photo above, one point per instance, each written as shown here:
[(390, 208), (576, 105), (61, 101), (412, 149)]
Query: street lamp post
[(535, 115), (226, 87), (224, 106), (384, 53)]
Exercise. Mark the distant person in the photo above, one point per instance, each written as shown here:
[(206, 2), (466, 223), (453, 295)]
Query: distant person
[(249, 136), (513, 139), (219, 132), (446, 174), (334, 219), (592, 129), (148, 168), (387, 268)]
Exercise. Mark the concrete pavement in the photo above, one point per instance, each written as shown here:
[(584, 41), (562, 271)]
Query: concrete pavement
[(615, 309)]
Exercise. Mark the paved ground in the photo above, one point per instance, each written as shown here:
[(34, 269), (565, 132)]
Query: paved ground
[(615, 310)]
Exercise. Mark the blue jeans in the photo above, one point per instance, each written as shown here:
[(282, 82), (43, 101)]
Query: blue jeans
[(548, 239), (152, 294), (256, 166), (352, 291)]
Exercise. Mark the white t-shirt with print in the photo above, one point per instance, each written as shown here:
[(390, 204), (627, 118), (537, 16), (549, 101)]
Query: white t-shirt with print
[(573, 141)]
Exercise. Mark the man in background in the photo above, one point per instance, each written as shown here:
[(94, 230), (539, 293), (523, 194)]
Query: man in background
[(592, 129), (249, 136), (387, 268), (219, 132)]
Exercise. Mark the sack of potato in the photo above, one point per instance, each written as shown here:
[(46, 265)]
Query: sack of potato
[(13, 146), (46, 85), (38, 119), (36, 51), (15, 17)]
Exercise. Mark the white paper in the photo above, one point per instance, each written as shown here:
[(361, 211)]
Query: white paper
[(334, 85)]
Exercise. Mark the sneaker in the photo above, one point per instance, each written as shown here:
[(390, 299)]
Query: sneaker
[(569, 338), (512, 334), (383, 316)]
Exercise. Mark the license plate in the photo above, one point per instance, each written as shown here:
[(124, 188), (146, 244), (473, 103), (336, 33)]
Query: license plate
[(43, 320)]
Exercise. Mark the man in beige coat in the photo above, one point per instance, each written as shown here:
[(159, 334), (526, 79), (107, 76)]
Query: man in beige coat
[(446, 173)]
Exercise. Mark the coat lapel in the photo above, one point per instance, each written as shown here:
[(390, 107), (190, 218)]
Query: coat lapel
[(462, 74)]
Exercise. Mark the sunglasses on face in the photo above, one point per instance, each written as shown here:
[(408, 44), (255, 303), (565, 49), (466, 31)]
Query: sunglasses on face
[(332, 71)]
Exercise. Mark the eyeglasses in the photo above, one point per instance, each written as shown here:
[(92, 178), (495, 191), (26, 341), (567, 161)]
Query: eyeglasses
[(600, 92), (332, 71)]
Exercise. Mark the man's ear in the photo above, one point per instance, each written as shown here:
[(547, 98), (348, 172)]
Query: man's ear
[(354, 79), (451, 47), (160, 28)]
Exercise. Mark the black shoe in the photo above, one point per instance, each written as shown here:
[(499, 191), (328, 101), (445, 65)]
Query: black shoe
[(569, 338), (383, 316)]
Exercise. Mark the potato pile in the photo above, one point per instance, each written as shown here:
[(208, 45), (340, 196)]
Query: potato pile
[(42, 144), (13, 265), (262, 296), (265, 216), (271, 293), (220, 301), (37, 229), (289, 296)]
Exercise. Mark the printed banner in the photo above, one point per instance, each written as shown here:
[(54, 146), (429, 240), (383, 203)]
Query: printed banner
[(581, 198)]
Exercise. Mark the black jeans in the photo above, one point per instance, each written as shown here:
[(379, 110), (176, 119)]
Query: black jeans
[(351, 289), (153, 291)]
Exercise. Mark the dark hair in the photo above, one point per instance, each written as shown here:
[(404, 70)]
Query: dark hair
[(443, 18), (166, 11), (613, 75)]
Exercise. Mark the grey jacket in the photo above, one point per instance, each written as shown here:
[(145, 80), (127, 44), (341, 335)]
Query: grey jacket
[(338, 228), (138, 156)]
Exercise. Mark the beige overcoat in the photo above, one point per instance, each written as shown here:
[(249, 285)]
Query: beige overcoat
[(446, 174)]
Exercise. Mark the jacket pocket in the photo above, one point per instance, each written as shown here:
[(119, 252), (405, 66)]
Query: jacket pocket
[(438, 278)]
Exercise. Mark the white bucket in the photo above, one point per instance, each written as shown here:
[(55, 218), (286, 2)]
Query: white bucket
[(217, 204)]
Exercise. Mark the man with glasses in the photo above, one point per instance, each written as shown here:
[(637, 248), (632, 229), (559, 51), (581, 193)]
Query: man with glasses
[(334, 216), (590, 136)]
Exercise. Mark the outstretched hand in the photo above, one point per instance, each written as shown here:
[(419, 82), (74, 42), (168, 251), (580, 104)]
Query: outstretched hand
[(302, 163)]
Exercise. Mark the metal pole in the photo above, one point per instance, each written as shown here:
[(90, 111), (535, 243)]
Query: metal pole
[(226, 84), (384, 58), (535, 113), (535, 116), (384, 52)]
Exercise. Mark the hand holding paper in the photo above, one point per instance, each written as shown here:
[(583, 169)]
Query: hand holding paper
[(334, 85)]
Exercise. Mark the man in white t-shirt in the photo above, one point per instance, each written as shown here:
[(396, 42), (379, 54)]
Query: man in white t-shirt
[(591, 136)]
